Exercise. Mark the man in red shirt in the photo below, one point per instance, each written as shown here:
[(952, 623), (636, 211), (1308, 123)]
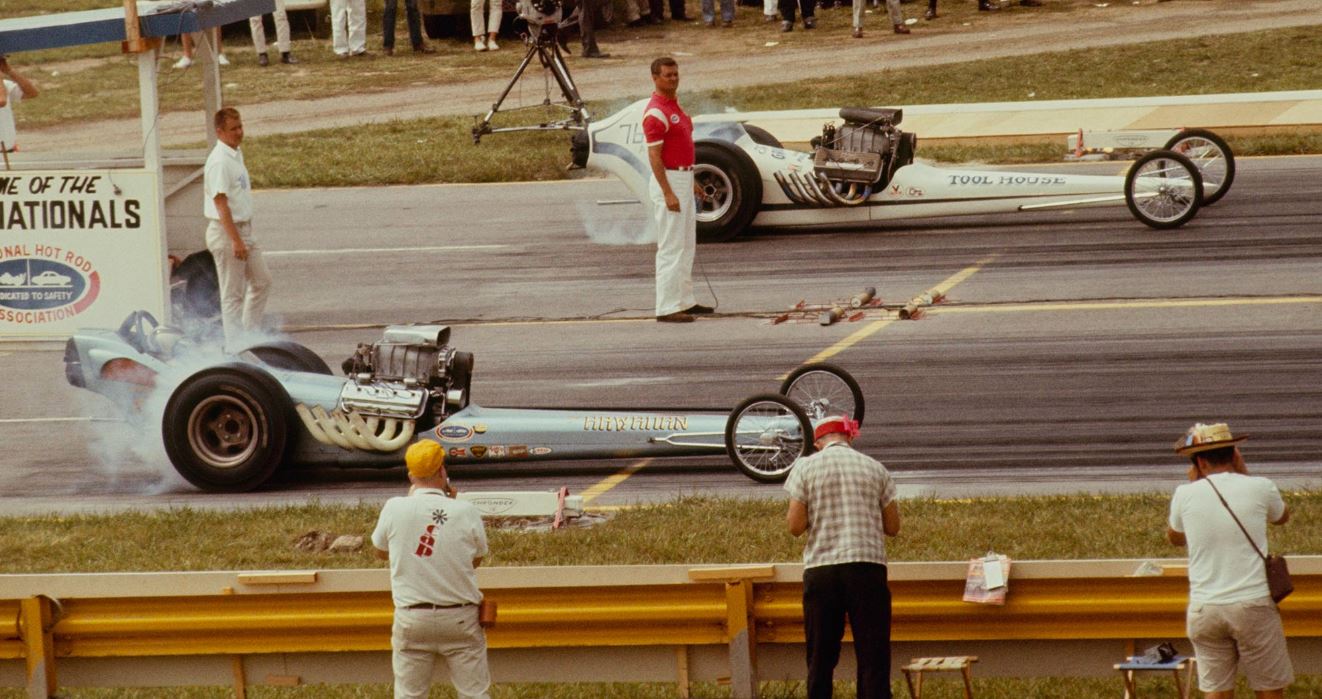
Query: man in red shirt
[(669, 134)]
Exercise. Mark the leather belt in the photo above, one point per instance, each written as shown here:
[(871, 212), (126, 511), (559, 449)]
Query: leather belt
[(429, 605), (686, 168)]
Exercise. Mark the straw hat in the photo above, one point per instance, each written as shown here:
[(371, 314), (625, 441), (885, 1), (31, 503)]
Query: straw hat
[(1203, 437)]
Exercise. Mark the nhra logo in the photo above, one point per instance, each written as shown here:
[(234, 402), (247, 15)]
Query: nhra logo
[(36, 289)]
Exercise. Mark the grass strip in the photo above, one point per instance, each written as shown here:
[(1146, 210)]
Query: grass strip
[(1039, 527)]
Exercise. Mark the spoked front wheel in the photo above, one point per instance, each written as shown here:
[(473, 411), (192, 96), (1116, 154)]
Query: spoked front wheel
[(765, 435), (1213, 158), (824, 390), (1163, 189)]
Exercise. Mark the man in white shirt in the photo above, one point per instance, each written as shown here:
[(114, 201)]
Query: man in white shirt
[(16, 88), (434, 544), (227, 203), (1232, 620)]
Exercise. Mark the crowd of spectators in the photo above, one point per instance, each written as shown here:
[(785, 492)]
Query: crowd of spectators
[(348, 20)]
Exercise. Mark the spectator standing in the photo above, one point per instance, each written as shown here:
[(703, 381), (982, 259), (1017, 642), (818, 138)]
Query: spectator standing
[(668, 132), (589, 13), (677, 12), (189, 42), (845, 502), (1232, 620), (709, 13), (348, 27), (434, 544), (808, 8), (14, 88), (258, 32), (892, 8), (414, 21), (484, 32), (227, 203), (770, 8)]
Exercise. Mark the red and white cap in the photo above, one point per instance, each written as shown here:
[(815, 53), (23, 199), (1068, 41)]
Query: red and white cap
[(835, 423)]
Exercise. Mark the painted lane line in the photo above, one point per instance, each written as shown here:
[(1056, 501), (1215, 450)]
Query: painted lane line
[(1120, 305), (466, 324), (360, 251), (611, 481), (870, 329), (23, 420)]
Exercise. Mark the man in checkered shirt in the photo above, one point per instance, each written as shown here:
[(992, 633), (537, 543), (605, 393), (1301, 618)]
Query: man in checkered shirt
[(845, 501)]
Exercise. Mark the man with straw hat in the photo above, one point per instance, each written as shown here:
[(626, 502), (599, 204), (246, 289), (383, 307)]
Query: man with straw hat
[(434, 544), (845, 502), (1232, 620)]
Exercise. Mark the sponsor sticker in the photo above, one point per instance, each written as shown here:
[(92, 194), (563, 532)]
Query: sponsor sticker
[(492, 505), (480, 428), (539, 451), (454, 433), (458, 452), (498, 451), (518, 451), (674, 118), (479, 451)]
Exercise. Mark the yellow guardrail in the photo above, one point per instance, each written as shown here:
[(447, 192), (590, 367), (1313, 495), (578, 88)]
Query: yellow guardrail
[(707, 623)]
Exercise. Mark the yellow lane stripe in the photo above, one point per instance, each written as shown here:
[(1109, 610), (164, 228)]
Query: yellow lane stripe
[(1117, 305), (870, 329), (611, 481)]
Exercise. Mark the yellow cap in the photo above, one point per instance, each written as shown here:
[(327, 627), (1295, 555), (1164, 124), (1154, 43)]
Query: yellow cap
[(424, 458)]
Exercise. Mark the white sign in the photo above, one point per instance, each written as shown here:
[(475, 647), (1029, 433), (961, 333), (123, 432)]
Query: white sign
[(78, 248)]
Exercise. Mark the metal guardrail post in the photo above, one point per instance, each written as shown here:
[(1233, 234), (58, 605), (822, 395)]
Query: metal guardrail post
[(740, 625), (35, 620)]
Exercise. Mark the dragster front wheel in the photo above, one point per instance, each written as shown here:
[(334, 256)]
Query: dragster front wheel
[(1163, 189), (765, 435), (824, 390), (1212, 156)]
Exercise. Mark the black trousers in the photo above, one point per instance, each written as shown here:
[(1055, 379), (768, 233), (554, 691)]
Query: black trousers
[(859, 591), (676, 9), (787, 8)]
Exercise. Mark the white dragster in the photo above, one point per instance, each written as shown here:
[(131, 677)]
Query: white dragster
[(863, 170)]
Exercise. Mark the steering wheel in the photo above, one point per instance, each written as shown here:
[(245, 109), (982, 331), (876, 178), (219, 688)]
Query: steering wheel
[(137, 331)]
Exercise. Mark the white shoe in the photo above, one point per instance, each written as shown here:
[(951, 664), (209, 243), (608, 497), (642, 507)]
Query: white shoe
[(479, 44), (222, 60), (183, 62), (492, 45)]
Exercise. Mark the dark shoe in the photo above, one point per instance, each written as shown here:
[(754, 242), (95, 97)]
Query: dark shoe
[(681, 18), (787, 26), (287, 58), (637, 23), (858, 33), (901, 29), (1030, 3), (988, 7), (930, 14), (698, 309), (676, 317), (809, 22), (362, 54), (388, 50), (709, 22), (262, 60), (726, 24), (768, 18), (595, 54), (423, 48), (653, 19)]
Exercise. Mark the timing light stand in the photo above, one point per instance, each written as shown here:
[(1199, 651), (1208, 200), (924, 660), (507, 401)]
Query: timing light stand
[(544, 45)]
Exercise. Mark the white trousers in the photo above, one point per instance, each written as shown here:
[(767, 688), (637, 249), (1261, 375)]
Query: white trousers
[(892, 8), (419, 635), (676, 237), (244, 284), (348, 26), (771, 8), (281, 29), (475, 13)]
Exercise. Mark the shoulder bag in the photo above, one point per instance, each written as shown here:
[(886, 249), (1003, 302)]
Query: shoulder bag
[(1278, 573)]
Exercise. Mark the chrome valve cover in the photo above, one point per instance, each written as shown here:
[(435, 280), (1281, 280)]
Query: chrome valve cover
[(381, 400)]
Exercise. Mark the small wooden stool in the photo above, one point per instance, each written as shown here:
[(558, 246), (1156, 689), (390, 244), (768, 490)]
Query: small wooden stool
[(1179, 664), (917, 666)]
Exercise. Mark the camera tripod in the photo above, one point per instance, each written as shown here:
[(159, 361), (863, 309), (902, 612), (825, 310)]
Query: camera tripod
[(545, 46)]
